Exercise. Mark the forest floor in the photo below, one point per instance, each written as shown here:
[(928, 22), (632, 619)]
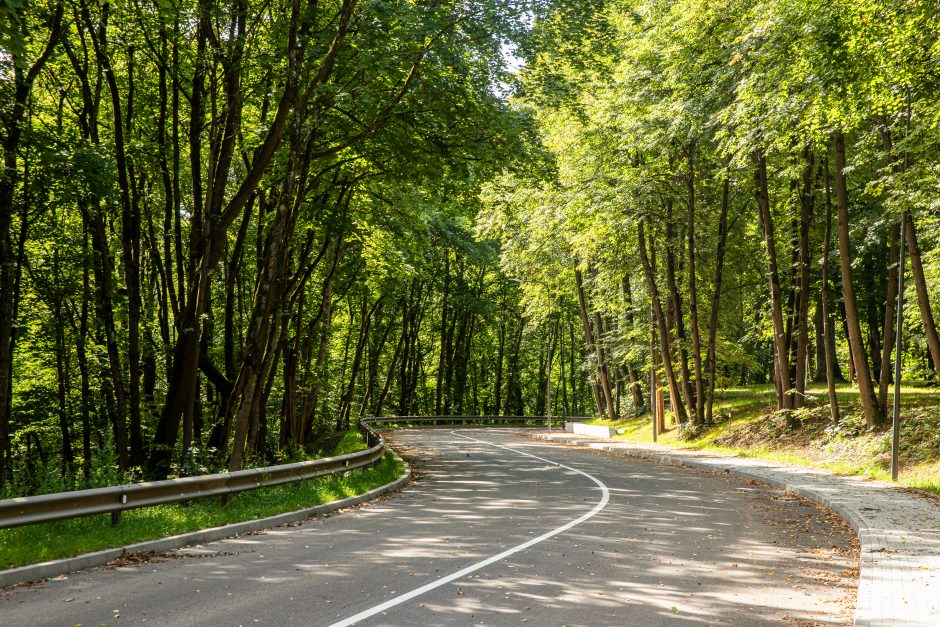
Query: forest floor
[(746, 425), (67, 538)]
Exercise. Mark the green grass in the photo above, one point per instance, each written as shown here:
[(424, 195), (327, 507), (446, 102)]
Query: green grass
[(747, 427), (66, 538)]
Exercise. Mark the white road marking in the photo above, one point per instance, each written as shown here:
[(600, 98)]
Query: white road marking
[(402, 598)]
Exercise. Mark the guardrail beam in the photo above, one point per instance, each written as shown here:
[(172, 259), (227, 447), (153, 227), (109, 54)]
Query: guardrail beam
[(114, 500)]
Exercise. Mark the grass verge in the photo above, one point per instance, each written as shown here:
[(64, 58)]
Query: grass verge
[(67, 538), (746, 426)]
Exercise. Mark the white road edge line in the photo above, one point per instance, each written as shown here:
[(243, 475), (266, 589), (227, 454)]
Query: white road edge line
[(402, 598)]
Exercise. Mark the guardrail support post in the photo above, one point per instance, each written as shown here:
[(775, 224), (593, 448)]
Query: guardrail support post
[(116, 514)]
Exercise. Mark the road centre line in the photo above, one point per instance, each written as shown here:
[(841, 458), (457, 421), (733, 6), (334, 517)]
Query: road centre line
[(402, 598)]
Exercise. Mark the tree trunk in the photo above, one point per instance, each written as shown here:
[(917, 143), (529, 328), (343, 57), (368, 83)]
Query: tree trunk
[(665, 349), (511, 407), (561, 364), (675, 299), (870, 407), (699, 405), (802, 317), (885, 374), (575, 404), (82, 355), (635, 387), (603, 370), (923, 296), (343, 417), (464, 357), (373, 370), (24, 76), (182, 378), (781, 351), (104, 290), (390, 376), (828, 339), (498, 386), (265, 331), (442, 355), (711, 358), (551, 354), (590, 346), (315, 376), (62, 391)]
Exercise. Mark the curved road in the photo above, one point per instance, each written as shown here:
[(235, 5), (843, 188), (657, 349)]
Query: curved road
[(496, 530)]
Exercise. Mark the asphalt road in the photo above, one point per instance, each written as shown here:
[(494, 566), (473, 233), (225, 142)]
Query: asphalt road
[(496, 530)]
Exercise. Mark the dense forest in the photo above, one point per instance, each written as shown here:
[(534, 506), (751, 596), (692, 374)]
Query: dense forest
[(737, 173), (734, 186), (228, 230)]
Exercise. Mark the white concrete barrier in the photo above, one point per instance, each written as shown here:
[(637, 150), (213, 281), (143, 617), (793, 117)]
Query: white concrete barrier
[(597, 431)]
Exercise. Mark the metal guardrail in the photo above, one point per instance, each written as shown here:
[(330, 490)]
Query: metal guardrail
[(113, 500), (28, 510), (526, 421)]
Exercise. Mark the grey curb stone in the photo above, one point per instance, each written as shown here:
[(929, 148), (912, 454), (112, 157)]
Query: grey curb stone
[(54, 568), (898, 531)]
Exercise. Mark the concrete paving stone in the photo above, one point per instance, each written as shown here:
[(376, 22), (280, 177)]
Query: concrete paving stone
[(898, 530)]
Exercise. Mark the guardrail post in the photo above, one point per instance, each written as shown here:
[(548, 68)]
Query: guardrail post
[(116, 514)]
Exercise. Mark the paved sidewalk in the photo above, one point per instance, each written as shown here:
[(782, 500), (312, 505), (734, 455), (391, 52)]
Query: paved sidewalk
[(898, 530)]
